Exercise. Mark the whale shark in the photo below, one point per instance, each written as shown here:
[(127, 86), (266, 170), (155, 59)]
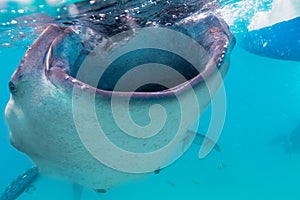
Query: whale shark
[(268, 41), (288, 142), (72, 85), (275, 33)]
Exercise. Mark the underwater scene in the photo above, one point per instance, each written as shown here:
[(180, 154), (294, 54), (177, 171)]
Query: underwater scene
[(150, 99)]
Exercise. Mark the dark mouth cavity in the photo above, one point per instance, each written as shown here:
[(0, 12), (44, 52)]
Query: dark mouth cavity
[(129, 61), (69, 55)]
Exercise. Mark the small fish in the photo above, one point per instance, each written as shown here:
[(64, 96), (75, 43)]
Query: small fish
[(199, 138)]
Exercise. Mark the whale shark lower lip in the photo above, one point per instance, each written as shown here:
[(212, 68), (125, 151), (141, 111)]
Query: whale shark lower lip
[(49, 125)]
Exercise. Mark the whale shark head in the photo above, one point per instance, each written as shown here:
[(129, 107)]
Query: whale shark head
[(75, 79)]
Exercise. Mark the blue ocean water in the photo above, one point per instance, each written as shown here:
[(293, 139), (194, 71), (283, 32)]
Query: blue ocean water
[(258, 160)]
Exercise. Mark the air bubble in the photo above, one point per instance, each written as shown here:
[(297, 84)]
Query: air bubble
[(265, 44), (21, 11), (13, 21)]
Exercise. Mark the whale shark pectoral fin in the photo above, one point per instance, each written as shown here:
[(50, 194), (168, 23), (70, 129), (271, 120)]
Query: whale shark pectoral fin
[(20, 184), (77, 191), (199, 139)]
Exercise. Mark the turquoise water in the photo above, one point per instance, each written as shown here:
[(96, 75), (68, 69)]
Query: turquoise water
[(263, 109)]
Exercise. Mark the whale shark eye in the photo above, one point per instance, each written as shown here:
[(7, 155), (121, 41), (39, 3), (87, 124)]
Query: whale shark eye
[(12, 87)]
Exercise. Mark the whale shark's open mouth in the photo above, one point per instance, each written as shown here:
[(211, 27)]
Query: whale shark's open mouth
[(72, 58), (69, 52)]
